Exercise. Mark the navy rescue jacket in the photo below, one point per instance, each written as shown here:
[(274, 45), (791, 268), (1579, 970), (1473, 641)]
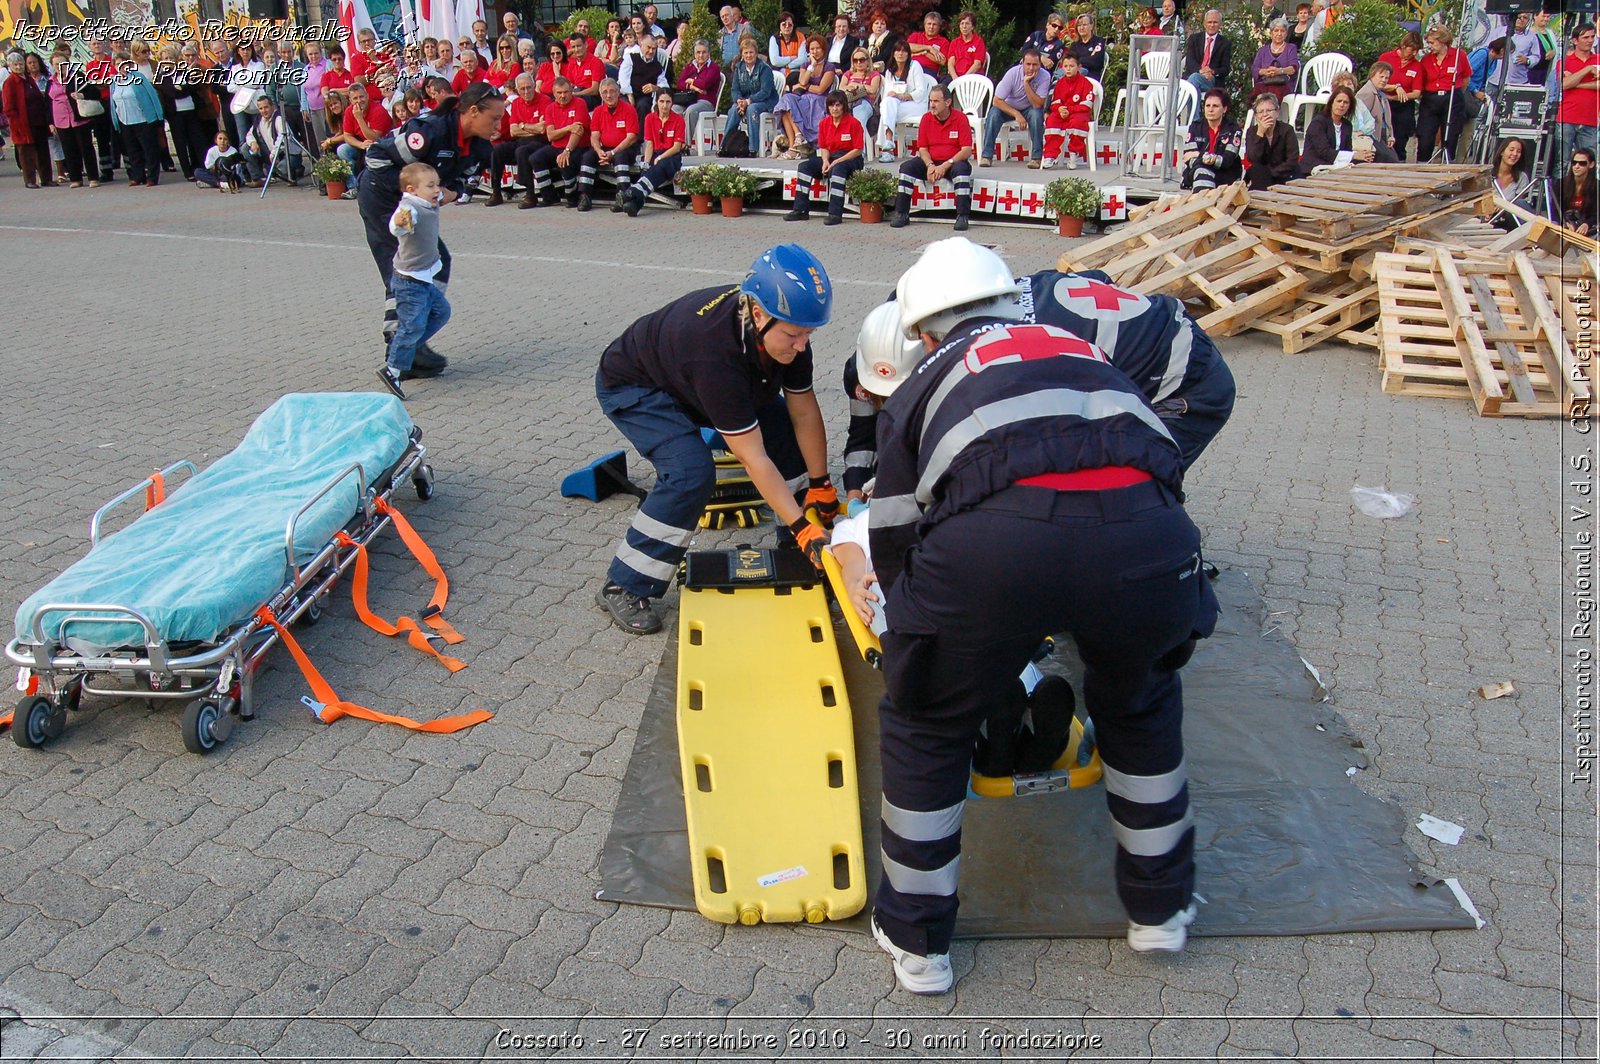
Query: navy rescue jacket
[(997, 402), (433, 138)]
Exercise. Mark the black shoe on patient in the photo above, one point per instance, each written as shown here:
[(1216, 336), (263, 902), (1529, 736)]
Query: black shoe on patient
[(1051, 706)]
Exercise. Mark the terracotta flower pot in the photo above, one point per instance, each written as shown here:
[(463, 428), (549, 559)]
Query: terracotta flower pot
[(1069, 225), (732, 206), (699, 203), (871, 213), (335, 189)]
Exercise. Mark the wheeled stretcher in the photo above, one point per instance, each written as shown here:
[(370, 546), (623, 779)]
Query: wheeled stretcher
[(185, 602)]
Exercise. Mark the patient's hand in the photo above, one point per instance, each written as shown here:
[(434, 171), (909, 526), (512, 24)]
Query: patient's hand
[(862, 596)]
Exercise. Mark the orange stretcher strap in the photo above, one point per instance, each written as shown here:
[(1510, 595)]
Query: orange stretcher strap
[(329, 707), (5, 719), (358, 596), (433, 615), (155, 493)]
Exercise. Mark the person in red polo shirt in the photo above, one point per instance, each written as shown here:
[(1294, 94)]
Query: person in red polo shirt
[(566, 124), (613, 142), (1578, 116), (99, 71), (966, 51), (929, 47), (585, 72), (524, 129), (365, 120), (665, 135), (944, 146), (366, 59), (1445, 71), (1403, 90), (338, 75), (471, 72), (841, 141)]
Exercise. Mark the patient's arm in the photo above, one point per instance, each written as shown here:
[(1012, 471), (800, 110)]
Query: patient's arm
[(857, 580)]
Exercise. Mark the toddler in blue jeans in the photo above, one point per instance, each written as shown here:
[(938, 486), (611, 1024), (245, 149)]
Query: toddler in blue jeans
[(419, 302)]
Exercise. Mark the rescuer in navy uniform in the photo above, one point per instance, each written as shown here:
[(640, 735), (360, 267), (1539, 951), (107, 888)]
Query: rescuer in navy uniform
[(736, 359), (453, 138), (1150, 338), (1025, 487)]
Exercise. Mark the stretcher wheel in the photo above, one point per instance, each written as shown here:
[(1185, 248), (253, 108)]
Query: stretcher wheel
[(38, 720), (200, 732), (313, 611), (422, 480)]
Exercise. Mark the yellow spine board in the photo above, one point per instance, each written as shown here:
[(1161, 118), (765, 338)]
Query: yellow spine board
[(768, 758)]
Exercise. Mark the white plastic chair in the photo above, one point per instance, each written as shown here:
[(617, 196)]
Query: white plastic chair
[(974, 93), (1094, 119), (1316, 84), (1155, 66), (767, 127), (1153, 114), (708, 127)]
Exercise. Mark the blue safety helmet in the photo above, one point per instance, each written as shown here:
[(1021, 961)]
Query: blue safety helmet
[(791, 285)]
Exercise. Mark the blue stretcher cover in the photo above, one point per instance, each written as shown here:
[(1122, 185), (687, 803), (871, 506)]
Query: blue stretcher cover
[(213, 552)]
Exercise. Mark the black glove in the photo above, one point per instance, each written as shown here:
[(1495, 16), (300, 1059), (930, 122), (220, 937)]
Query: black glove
[(821, 494)]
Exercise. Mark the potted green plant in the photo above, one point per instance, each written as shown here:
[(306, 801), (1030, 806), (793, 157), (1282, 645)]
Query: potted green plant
[(334, 173), (696, 181), (733, 186), (872, 189), (1072, 199)]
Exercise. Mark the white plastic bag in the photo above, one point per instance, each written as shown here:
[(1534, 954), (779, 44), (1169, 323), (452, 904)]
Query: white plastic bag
[(1381, 503)]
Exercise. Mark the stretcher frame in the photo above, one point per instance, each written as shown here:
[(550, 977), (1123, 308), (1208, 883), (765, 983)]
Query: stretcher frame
[(215, 680)]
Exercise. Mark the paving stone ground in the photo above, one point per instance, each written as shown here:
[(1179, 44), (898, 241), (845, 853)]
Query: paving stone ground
[(360, 892)]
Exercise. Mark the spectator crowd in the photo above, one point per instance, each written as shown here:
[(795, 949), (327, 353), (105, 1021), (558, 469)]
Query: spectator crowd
[(634, 98)]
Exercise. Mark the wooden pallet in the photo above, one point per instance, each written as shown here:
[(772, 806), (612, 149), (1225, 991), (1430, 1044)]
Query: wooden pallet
[(1196, 250), (1310, 252), (1328, 308), (1225, 197), (1464, 326), (1340, 204)]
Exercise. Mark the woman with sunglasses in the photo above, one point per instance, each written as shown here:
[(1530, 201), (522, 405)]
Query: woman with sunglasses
[(1578, 195), (506, 66), (862, 86), (551, 69)]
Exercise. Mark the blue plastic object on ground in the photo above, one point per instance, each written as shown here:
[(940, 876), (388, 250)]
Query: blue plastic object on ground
[(214, 551)]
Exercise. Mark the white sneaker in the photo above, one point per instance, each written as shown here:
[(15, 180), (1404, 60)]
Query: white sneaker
[(1072, 162), (917, 974), (1161, 938), (1049, 162)]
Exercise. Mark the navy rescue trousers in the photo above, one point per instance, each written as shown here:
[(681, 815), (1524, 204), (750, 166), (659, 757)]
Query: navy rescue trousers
[(377, 207), (659, 429), (1118, 570)]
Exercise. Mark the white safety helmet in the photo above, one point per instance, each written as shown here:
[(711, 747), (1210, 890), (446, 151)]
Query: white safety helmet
[(951, 273), (884, 357)]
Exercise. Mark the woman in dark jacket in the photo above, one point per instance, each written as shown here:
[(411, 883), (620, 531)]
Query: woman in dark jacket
[(1213, 150), (179, 106), (1330, 133), (1270, 146), (1578, 195)]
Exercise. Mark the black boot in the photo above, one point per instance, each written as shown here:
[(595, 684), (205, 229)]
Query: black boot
[(634, 204), (834, 219), (902, 212), (585, 202), (995, 753), (802, 209), (961, 223), (1051, 706)]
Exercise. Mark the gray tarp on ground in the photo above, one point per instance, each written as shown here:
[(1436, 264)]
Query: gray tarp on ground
[(1287, 843)]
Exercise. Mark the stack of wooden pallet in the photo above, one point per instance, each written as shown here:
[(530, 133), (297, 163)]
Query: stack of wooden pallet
[(1389, 256)]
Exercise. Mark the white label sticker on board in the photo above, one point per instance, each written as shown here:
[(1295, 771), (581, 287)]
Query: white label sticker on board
[(772, 879)]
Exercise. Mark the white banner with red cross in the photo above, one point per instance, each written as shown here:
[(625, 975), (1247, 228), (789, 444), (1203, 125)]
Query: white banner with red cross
[(984, 195), (1008, 198), (1114, 203)]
